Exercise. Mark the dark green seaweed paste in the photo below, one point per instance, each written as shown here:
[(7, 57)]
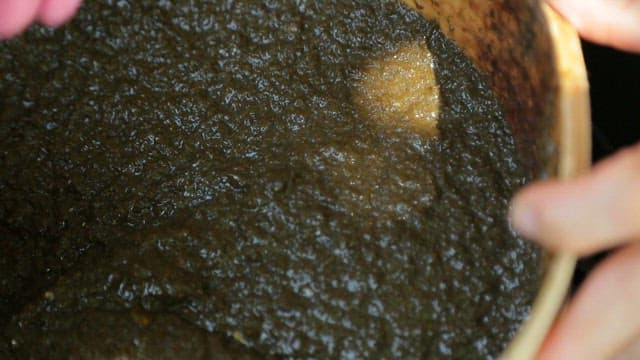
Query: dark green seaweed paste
[(193, 179)]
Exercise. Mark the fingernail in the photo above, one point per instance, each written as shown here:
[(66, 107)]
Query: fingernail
[(523, 219)]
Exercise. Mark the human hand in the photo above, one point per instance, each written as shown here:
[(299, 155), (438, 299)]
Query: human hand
[(16, 15), (609, 22), (592, 213)]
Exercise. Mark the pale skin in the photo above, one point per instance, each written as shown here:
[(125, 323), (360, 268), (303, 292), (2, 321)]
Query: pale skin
[(17, 15), (598, 211)]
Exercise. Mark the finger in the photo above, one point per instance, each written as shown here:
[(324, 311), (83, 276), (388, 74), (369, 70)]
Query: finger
[(585, 215), (16, 15), (57, 12), (631, 351), (603, 318), (613, 23)]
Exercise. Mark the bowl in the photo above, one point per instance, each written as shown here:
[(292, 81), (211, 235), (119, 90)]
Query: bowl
[(534, 63), (532, 60)]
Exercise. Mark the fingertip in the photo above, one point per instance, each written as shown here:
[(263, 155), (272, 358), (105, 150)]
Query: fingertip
[(571, 10), (16, 15), (612, 23), (556, 214), (56, 12), (523, 217), (536, 212), (584, 215)]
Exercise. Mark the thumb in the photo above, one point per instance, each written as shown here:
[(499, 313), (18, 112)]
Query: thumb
[(584, 215), (16, 15), (609, 22), (57, 12)]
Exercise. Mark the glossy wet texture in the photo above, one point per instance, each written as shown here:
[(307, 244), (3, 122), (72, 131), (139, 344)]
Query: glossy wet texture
[(400, 90), (185, 181)]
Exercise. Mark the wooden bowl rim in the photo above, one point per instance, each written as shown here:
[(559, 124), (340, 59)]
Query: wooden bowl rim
[(572, 135)]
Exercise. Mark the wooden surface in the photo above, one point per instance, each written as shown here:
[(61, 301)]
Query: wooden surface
[(572, 133), (535, 65), (508, 41)]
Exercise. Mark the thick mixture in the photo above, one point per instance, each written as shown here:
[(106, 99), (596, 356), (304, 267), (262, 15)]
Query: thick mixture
[(204, 179)]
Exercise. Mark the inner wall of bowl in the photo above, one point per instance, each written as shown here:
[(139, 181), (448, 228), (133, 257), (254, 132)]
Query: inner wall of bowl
[(509, 41)]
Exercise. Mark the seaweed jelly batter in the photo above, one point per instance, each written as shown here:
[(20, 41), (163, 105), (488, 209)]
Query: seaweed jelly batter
[(215, 179)]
